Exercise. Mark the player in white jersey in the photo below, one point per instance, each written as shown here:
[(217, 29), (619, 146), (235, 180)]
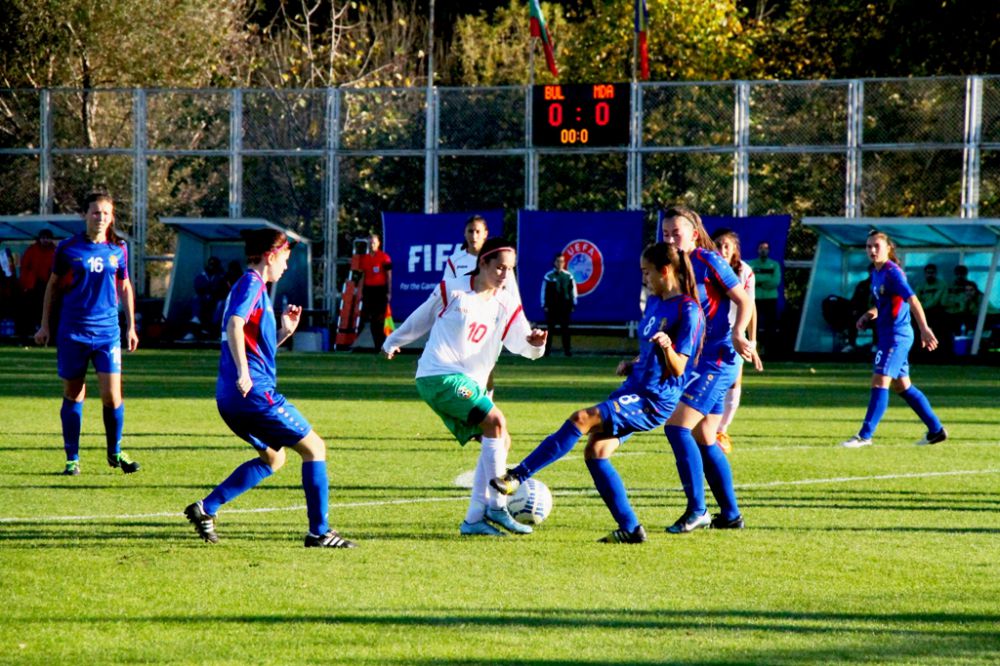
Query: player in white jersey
[(464, 259), (470, 319), (728, 243)]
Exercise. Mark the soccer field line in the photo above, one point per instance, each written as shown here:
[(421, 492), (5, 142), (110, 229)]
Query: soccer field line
[(430, 500)]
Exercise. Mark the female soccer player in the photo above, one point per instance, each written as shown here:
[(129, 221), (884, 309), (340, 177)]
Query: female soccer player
[(469, 318), (671, 334), (894, 301), (97, 264), (691, 428), (463, 260), (246, 395), (728, 242)]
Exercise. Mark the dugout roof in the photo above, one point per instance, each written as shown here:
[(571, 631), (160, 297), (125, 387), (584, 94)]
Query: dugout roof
[(840, 260), (204, 237), (26, 227)]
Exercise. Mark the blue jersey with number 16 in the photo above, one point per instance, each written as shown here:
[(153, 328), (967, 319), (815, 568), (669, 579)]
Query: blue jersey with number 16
[(90, 305)]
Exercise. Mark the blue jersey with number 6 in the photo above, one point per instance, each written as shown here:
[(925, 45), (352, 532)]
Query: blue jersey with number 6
[(90, 305)]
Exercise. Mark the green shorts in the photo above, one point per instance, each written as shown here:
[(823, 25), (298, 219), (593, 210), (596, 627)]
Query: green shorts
[(458, 400)]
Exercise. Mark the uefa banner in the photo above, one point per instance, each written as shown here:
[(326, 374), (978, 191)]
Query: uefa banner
[(602, 252), (419, 245)]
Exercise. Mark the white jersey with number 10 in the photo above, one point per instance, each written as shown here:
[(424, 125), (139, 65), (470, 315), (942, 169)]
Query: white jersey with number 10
[(467, 331)]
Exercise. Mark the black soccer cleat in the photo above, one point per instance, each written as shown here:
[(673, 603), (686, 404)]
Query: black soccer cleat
[(331, 539), (933, 438), (506, 484), (720, 523), (638, 535), (204, 524), (122, 461)]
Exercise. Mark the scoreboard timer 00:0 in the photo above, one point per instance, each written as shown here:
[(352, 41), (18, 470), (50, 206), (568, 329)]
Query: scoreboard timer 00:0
[(580, 115)]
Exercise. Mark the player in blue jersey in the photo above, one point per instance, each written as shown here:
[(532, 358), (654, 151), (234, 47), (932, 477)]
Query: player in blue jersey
[(92, 269), (670, 337), (894, 304), (249, 403), (692, 428)]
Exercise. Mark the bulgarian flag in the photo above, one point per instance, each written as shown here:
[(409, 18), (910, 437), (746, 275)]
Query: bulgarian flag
[(539, 30), (641, 25)]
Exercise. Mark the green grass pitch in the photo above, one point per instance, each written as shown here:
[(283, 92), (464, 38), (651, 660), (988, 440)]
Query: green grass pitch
[(883, 555)]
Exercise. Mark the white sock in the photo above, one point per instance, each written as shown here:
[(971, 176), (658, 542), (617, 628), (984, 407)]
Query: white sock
[(492, 462), (729, 406)]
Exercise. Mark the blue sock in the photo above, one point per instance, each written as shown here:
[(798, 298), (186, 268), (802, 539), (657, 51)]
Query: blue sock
[(552, 448), (609, 484), (720, 480), (689, 466), (918, 402), (71, 415), (114, 422), (317, 488), (877, 404), (243, 478)]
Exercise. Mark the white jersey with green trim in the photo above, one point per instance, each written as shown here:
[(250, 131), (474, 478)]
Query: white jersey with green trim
[(467, 330)]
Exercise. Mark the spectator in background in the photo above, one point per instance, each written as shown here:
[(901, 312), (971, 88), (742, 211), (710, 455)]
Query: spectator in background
[(558, 301), (376, 289), (862, 300), (209, 290), (932, 294), (961, 303), (8, 288), (36, 267), (767, 273)]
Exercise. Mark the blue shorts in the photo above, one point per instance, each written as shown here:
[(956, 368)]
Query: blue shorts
[(75, 352), (264, 419), (891, 359), (706, 391), (626, 412)]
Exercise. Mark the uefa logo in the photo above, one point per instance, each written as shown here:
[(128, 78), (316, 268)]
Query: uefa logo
[(585, 261)]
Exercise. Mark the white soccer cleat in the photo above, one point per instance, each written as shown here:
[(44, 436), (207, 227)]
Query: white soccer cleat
[(856, 443)]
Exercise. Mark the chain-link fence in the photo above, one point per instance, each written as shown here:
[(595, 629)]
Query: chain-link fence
[(326, 163)]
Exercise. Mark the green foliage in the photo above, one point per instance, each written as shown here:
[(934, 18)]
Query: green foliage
[(880, 556), (688, 40), (120, 43)]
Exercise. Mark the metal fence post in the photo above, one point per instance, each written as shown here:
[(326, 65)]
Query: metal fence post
[(973, 137), (140, 194), (855, 138), (741, 140), (45, 155), (236, 154), (331, 210), (631, 169), (431, 153), (530, 157)]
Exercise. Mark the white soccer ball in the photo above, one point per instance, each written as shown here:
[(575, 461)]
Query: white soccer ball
[(531, 502)]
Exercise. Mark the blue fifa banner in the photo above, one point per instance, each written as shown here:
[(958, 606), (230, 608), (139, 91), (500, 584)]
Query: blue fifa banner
[(602, 251), (419, 245)]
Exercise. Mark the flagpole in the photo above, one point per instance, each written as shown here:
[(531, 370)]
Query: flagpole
[(635, 56), (531, 62)]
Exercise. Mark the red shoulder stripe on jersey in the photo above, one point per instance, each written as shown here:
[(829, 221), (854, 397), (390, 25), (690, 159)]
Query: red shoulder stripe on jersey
[(510, 321), (444, 298), (251, 329), (452, 267)]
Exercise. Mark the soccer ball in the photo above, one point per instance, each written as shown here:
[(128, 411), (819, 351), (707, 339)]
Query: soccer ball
[(531, 503)]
